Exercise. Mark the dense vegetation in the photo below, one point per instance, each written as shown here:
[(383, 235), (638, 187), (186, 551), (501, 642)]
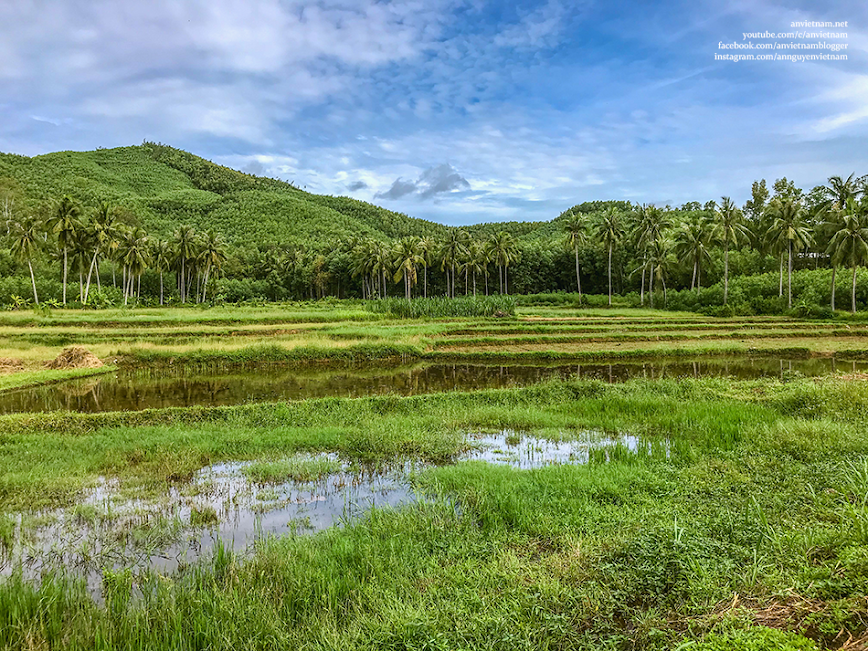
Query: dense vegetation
[(125, 219)]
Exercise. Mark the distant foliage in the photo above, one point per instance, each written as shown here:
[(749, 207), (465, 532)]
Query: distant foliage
[(444, 307)]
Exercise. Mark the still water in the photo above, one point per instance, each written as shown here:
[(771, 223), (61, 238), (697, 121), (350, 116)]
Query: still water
[(136, 390)]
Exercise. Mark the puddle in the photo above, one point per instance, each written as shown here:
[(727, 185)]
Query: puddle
[(223, 505)]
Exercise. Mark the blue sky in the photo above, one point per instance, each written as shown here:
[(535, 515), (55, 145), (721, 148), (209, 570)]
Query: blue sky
[(454, 111)]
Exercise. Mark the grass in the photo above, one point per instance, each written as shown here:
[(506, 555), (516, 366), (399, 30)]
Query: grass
[(762, 495), (301, 469), (746, 527)]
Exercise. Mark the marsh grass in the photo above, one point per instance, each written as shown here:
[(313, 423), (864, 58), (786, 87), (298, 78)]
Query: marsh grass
[(304, 468)]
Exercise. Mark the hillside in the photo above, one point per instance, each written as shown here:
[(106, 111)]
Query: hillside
[(162, 187)]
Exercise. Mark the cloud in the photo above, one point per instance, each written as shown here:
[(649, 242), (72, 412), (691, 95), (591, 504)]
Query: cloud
[(441, 179), (357, 185), (400, 188)]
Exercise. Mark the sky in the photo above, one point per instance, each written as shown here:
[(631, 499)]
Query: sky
[(456, 111)]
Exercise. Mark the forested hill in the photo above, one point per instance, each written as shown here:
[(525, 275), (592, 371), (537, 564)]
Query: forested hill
[(160, 188)]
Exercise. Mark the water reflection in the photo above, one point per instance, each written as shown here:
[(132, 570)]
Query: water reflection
[(132, 391)]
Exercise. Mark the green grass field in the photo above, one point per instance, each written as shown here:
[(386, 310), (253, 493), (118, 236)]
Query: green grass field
[(705, 514)]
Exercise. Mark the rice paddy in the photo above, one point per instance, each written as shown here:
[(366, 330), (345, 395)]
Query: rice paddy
[(669, 509)]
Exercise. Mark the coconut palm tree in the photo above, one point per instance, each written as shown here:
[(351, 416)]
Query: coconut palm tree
[(134, 254), (850, 243), (789, 231), (476, 261), (64, 223), (382, 263), (426, 249), (729, 229), (212, 255), (26, 235), (408, 256), (161, 258), (506, 252), (691, 244), (660, 261), (650, 224), (100, 234), (610, 231), (184, 242), (451, 253), (575, 228)]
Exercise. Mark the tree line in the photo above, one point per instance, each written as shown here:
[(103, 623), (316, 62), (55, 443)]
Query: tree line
[(644, 246)]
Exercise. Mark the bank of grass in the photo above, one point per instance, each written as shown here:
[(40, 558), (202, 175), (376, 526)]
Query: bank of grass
[(440, 307), (753, 511)]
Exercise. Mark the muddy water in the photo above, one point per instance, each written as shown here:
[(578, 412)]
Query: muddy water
[(222, 506), (134, 391)]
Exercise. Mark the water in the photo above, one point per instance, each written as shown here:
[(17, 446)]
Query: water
[(132, 391), (222, 505)]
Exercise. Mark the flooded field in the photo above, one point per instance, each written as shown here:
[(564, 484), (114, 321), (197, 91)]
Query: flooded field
[(131, 391), (232, 505)]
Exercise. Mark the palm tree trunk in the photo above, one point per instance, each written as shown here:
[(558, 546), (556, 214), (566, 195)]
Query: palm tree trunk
[(790, 275), (205, 284), (853, 297), (89, 272), (183, 281), (33, 281), (578, 278), (781, 277), (161, 286), (425, 293), (693, 277), (474, 284), (642, 290), (610, 275), (834, 269), (725, 273), (698, 277), (64, 275), (506, 280)]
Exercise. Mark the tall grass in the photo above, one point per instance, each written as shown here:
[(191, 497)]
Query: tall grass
[(438, 307)]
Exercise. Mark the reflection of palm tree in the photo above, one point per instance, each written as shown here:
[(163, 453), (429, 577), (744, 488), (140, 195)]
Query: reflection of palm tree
[(26, 237), (729, 229), (609, 232), (64, 223), (850, 243), (691, 245), (789, 231), (575, 227)]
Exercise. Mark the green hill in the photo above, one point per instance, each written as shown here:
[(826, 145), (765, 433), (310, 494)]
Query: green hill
[(163, 187)]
